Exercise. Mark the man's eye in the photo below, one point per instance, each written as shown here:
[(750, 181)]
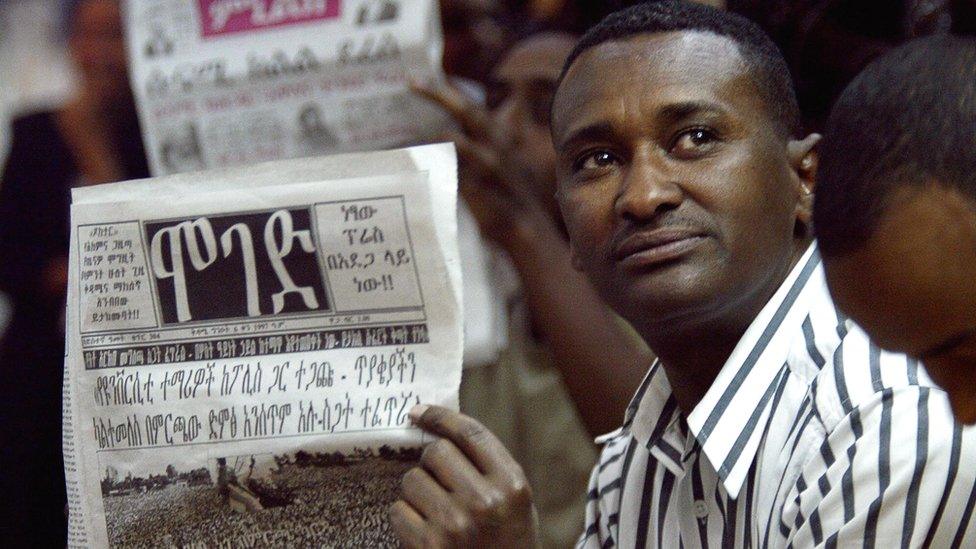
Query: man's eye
[(595, 160), (693, 142)]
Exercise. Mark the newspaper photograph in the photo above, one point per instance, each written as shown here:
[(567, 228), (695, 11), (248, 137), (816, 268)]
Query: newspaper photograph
[(244, 346), (232, 82)]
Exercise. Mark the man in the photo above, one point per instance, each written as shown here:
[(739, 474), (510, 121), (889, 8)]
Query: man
[(94, 138), (769, 419), (896, 208), (560, 336)]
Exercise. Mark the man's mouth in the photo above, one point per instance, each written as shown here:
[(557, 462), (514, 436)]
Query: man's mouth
[(650, 248)]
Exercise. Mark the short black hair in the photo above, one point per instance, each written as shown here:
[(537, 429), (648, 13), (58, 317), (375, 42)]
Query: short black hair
[(907, 120), (761, 55)]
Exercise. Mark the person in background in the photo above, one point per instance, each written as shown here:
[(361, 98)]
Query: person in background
[(94, 138), (473, 37), (509, 182), (895, 213), (526, 17), (5, 93), (6, 108), (565, 345), (828, 42), (769, 418)]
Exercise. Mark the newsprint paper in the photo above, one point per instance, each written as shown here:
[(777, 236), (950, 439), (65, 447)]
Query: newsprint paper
[(244, 346), (233, 82)]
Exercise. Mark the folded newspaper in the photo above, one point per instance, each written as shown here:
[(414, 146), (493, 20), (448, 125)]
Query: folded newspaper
[(243, 347)]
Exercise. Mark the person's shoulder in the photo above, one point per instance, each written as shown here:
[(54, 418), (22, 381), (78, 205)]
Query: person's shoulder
[(859, 374)]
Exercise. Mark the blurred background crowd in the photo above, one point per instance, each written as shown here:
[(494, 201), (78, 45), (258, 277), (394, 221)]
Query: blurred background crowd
[(67, 118)]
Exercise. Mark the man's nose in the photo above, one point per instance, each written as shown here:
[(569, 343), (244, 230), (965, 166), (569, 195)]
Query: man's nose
[(647, 190)]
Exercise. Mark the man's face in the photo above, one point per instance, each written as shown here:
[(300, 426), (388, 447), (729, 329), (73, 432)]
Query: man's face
[(676, 188), (912, 286), (519, 97)]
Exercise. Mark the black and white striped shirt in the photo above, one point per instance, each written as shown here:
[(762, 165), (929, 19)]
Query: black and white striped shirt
[(809, 436)]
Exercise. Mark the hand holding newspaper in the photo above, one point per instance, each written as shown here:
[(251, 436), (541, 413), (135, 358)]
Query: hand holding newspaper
[(243, 348)]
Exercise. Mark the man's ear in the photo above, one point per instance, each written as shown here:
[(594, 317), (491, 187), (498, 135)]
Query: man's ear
[(803, 163)]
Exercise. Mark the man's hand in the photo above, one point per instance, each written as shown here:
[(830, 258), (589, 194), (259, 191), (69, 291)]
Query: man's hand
[(501, 193), (467, 491)]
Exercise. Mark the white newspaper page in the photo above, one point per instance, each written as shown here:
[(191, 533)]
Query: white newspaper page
[(234, 82), (242, 356)]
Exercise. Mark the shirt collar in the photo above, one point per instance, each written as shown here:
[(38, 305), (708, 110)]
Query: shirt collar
[(731, 418)]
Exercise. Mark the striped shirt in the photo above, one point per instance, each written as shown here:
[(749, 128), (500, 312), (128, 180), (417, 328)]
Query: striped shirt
[(809, 436)]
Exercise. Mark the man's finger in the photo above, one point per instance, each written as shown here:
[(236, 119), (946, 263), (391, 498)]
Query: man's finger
[(453, 469), (446, 97), (426, 495), (407, 524), (444, 515), (471, 117), (483, 157), (480, 160), (484, 450), (488, 163)]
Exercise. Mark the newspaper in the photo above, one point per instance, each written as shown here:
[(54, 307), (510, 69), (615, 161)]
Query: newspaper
[(232, 82), (244, 345)]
